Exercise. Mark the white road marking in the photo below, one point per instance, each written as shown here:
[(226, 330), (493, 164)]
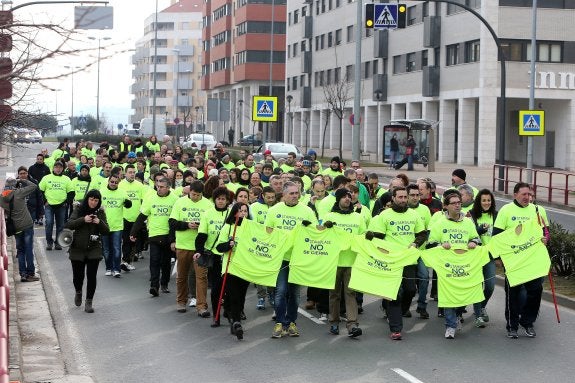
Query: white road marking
[(406, 376), (309, 316)]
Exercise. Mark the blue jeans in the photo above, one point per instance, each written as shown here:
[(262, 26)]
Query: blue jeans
[(287, 297), (451, 314), (54, 214), (410, 162), (422, 284), (489, 284), (25, 252), (111, 249)]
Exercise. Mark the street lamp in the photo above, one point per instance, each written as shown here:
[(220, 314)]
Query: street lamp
[(72, 68), (241, 102), (289, 99), (177, 79), (98, 80)]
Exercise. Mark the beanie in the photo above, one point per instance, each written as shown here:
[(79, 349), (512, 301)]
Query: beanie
[(335, 159), (459, 173), (340, 193)]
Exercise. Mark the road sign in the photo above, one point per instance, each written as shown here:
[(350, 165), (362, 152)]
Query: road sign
[(82, 120), (265, 108), (385, 16), (531, 122)]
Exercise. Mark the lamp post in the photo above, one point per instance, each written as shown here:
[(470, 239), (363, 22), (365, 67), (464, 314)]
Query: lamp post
[(72, 68), (177, 79), (289, 99), (241, 102), (154, 96), (98, 79)]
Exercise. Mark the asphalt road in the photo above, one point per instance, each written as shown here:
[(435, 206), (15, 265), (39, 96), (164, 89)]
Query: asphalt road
[(135, 338)]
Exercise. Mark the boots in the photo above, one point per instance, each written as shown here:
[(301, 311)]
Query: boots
[(88, 308), (78, 298)]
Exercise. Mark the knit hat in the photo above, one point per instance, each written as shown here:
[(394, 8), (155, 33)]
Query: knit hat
[(267, 152), (340, 193), (85, 167), (58, 163), (311, 152), (335, 159), (10, 183), (459, 173), (131, 155)]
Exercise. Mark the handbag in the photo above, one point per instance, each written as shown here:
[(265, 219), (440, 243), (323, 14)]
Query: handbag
[(10, 225)]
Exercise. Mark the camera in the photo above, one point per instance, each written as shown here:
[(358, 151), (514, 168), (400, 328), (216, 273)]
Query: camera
[(94, 238)]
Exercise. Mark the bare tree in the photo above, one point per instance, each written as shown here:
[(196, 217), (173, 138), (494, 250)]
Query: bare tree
[(337, 95)]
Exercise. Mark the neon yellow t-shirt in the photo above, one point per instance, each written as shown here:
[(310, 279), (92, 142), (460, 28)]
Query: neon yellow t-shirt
[(457, 234), (459, 274), (113, 204), (285, 217), (259, 211), (424, 214), (134, 192), (158, 210), (378, 266), (352, 223), (512, 215), (397, 227), (257, 256), (524, 255), (211, 224), (55, 188), (315, 256), (486, 219), (325, 205), (189, 211), (80, 188)]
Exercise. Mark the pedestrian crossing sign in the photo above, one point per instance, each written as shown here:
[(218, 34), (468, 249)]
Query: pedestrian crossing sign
[(385, 15), (265, 108), (531, 122)]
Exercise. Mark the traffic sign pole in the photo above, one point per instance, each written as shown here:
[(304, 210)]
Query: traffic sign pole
[(532, 89)]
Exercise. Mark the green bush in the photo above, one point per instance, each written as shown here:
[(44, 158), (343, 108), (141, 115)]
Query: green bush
[(561, 249), (94, 138)]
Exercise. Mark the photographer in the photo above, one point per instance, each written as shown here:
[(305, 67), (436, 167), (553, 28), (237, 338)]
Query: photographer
[(89, 223), (14, 203)]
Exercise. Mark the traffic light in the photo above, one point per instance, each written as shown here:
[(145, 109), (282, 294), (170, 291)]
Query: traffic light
[(401, 15), (369, 16)]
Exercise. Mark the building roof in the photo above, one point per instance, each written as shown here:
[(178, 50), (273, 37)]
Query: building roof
[(185, 6)]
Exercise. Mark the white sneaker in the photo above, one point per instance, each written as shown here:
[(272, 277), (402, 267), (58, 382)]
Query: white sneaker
[(130, 267), (193, 302), (108, 273), (117, 274), (323, 317), (449, 333)]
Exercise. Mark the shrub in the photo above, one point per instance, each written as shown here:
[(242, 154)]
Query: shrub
[(561, 249)]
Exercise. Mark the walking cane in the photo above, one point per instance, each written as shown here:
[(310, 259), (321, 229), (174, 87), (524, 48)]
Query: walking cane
[(550, 275), (217, 318)]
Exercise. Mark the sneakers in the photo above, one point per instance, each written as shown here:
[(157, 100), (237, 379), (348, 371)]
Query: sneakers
[(130, 267), (32, 278), (395, 336), (323, 317), (243, 315), (261, 304), (116, 274), (459, 323), (23, 278), (182, 308), (165, 289), (127, 267), (310, 305), (354, 332), (193, 302), (484, 315), (292, 330), (423, 314), (334, 329), (406, 314), (279, 331), (78, 299), (449, 333), (512, 334), (108, 273), (154, 291), (205, 314), (530, 332), (479, 322), (440, 313)]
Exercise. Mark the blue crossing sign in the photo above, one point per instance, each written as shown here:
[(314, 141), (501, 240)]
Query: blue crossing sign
[(264, 108), (531, 122)]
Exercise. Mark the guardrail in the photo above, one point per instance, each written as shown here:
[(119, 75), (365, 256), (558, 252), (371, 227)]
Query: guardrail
[(4, 302), (550, 186)]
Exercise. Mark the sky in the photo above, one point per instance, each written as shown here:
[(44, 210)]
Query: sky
[(115, 64)]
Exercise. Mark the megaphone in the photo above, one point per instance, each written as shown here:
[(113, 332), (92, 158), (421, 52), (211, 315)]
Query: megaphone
[(65, 237)]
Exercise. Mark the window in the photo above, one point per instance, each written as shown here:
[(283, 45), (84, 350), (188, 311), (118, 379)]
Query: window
[(296, 16), (349, 73), (375, 67), (397, 65), (322, 6), (289, 21), (330, 5), (317, 7), (337, 3), (451, 8), (424, 60), (328, 77), (520, 50), (410, 62), (338, 37), (425, 9), (321, 78), (472, 51), (322, 41), (452, 55), (337, 75), (546, 52), (294, 49), (294, 83), (330, 39), (303, 45), (222, 11), (349, 33), (317, 43), (513, 50), (303, 11), (411, 15), (316, 79)]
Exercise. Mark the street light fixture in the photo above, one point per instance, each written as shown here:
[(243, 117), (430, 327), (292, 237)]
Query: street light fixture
[(72, 68), (98, 85)]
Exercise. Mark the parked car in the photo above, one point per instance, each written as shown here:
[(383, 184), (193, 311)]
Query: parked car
[(28, 136), (278, 149), (195, 140), (250, 140)]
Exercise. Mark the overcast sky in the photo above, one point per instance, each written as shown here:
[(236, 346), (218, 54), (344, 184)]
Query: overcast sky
[(115, 72)]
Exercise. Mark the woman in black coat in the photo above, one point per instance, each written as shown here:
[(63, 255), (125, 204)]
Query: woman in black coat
[(89, 223)]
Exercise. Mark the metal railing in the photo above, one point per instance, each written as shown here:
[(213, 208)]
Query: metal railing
[(4, 301), (550, 186)]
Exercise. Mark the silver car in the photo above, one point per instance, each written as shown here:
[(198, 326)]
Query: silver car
[(278, 150), (195, 140)]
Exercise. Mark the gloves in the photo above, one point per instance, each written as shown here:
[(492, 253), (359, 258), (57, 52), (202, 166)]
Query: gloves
[(328, 224), (127, 203), (369, 235), (305, 222)]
